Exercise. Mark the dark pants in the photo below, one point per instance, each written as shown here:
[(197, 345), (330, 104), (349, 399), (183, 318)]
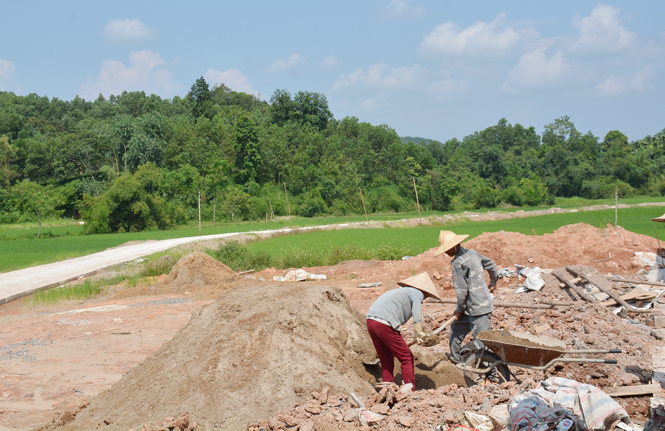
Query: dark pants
[(389, 344), (459, 329)]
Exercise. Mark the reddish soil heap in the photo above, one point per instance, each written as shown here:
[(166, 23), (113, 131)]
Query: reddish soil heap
[(198, 269), (242, 358)]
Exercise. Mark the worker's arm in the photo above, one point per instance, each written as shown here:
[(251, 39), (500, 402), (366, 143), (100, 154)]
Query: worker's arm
[(460, 275), (417, 299), (490, 266)]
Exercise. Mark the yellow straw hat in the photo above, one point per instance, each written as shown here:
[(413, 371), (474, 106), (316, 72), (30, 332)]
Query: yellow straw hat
[(421, 282), (659, 219), (448, 240)]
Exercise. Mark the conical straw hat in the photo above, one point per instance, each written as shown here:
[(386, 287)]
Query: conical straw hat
[(421, 282), (659, 219), (448, 240)]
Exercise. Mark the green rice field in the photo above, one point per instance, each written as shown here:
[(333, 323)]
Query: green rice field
[(26, 251), (418, 239)]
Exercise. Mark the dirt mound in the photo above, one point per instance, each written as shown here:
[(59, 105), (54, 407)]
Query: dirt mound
[(252, 352), (198, 269), (607, 249)]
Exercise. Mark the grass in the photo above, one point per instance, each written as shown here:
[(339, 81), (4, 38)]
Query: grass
[(155, 265), (60, 294), (24, 252), (330, 247)]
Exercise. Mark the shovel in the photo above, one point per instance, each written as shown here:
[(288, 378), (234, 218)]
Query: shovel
[(436, 332)]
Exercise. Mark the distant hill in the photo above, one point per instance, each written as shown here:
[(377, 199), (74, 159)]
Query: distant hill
[(417, 140)]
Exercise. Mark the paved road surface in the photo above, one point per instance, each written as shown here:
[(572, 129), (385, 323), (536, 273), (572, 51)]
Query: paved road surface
[(24, 282)]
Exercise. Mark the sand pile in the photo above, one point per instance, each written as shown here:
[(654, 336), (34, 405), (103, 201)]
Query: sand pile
[(198, 269), (242, 358), (607, 249)]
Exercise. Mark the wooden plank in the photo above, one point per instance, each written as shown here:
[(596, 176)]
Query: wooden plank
[(629, 280), (580, 292), (614, 296), (629, 391)]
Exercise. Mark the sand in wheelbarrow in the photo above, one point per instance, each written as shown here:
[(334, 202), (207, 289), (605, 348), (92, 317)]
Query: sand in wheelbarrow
[(254, 351)]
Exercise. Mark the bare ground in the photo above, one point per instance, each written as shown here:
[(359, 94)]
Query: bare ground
[(53, 362)]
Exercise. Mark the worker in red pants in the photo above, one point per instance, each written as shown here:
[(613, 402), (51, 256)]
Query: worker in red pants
[(392, 310)]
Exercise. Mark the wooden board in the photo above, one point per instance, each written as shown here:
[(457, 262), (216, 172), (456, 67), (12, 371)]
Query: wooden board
[(628, 391)]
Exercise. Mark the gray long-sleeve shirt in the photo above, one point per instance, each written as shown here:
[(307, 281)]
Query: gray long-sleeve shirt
[(397, 306), (473, 295)]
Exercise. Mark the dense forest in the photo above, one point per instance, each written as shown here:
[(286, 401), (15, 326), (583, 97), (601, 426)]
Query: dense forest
[(138, 161)]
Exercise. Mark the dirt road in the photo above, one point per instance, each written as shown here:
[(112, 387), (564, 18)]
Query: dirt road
[(24, 282)]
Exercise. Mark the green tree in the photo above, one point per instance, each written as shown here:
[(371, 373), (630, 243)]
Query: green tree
[(128, 206), (200, 92), (7, 156), (44, 202), (248, 159)]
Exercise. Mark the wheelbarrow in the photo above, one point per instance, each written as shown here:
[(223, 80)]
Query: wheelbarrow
[(504, 347)]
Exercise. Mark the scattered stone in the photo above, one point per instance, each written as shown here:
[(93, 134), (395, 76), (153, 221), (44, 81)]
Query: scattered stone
[(368, 417), (407, 421), (307, 426), (539, 329), (380, 408), (351, 415)]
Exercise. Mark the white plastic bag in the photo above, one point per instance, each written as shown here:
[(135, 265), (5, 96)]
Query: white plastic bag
[(534, 281)]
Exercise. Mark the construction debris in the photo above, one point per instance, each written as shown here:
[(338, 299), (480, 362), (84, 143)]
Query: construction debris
[(299, 275), (290, 356)]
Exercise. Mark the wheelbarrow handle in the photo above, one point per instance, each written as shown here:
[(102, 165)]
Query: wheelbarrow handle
[(615, 351), (610, 361)]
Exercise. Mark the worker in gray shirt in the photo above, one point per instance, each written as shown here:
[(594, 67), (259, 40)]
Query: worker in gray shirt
[(387, 315), (474, 298)]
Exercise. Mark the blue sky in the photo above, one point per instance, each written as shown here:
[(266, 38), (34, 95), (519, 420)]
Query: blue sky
[(438, 69)]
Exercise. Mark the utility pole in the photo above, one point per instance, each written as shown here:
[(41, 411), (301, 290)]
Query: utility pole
[(616, 205), (417, 201), (288, 206), (363, 200)]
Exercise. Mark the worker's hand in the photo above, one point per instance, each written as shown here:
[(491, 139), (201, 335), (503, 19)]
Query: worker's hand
[(458, 315), (492, 288), (424, 337)]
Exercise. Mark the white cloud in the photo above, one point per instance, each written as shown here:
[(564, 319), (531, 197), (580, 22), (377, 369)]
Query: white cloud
[(7, 69), (381, 86), (448, 89), (601, 32), (481, 39), (403, 8), (329, 62), (128, 30), (144, 74), (374, 102), (281, 65), (232, 78), (619, 85), (535, 70), (378, 76)]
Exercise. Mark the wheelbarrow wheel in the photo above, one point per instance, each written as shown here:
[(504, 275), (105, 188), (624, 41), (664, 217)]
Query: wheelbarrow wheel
[(484, 359)]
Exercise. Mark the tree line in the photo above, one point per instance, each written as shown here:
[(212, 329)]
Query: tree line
[(135, 161)]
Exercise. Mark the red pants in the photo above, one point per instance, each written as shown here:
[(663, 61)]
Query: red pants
[(389, 344)]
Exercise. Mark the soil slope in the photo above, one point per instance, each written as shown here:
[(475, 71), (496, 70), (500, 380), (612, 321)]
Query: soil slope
[(241, 358)]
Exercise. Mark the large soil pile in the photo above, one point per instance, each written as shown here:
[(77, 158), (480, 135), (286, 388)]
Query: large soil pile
[(609, 249), (242, 358), (198, 269)]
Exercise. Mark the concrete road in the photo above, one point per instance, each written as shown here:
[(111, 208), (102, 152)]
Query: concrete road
[(24, 282)]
